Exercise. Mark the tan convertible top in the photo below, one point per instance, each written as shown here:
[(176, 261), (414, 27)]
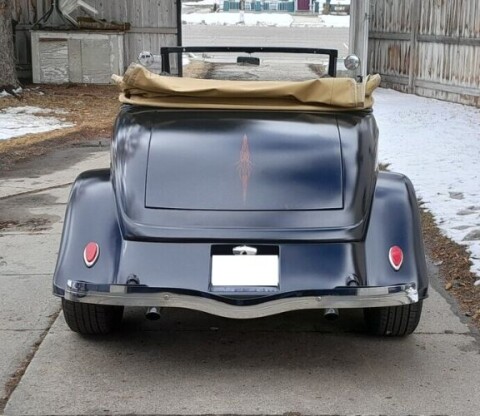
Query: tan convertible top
[(142, 87)]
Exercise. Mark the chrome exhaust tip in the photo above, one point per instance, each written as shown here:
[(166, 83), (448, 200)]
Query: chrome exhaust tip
[(331, 314), (152, 313)]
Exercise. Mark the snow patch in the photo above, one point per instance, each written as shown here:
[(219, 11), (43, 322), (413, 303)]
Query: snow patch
[(4, 94), (437, 145), (19, 121), (334, 21), (33, 110), (231, 18), (202, 3), (264, 19)]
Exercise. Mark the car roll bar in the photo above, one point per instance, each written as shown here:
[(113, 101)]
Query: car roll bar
[(179, 50)]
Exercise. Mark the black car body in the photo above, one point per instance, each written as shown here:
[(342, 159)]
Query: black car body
[(193, 195)]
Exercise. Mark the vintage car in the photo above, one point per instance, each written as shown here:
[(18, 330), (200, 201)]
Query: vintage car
[(243, 199)]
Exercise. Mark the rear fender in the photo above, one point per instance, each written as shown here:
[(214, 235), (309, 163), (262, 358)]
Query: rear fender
[(91, 216), (395, 221)]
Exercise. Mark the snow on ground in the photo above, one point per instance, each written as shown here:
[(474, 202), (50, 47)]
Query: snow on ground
[(233, 18), (265, 19), (4, 94), (18, 121), (201, 3), (334, 20), (437, 145)]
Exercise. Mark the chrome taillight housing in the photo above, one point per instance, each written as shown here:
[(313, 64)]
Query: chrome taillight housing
[(91, 253), (395, 256)]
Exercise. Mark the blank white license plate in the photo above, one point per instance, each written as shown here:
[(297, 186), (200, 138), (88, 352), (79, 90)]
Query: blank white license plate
[(246, 270)]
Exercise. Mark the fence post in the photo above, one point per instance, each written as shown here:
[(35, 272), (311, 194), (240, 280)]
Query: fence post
[(359, 17), (416, 12), (40, 10)]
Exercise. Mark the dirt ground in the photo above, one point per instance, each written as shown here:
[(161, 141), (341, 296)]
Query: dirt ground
[(93, 110), (454, 264)]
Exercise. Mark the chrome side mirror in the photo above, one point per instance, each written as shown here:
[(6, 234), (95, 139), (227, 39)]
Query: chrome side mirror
[(146, 58), (352, 62)]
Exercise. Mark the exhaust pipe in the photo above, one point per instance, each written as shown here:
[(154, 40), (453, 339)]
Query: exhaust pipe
[(331, 314), (152, 313)]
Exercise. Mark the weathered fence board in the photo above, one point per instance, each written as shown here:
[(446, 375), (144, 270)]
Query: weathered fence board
[(25, 13), (427, 47), (153, 25), (76, 56)]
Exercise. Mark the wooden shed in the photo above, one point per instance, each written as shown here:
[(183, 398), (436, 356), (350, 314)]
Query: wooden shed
[(77, 56), (153, 24)]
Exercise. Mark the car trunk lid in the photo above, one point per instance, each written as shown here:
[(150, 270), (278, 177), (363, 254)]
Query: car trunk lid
[(251, 165)]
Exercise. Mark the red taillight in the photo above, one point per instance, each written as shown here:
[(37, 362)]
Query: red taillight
[(90, 254), (395, 256)]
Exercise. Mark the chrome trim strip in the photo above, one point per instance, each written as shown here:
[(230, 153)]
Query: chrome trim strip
[(127, 296)]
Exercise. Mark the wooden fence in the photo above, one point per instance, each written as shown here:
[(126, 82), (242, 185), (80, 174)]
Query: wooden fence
[(427, 47), (153, 25), (25, 13)]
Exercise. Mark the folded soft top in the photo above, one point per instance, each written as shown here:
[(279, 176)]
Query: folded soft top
[(142, 87)]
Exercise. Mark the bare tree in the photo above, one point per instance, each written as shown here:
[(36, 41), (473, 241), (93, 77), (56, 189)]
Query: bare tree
[(8, 75)]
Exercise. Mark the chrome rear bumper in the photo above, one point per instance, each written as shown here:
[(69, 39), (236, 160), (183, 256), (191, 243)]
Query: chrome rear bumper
[(345, 297)]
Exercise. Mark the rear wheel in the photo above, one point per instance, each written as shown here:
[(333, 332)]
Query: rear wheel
[(393, 321), (89, 319)]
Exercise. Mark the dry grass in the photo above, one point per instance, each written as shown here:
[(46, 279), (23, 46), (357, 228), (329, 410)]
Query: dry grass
[(198, 69), (91, 108), (454, 264), (319, 69)]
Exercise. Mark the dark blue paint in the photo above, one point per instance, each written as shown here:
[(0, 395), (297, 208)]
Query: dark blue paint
[(171, 248)]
